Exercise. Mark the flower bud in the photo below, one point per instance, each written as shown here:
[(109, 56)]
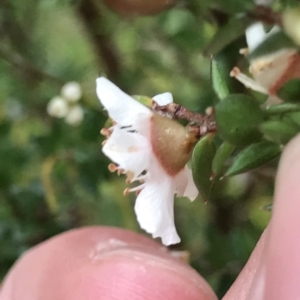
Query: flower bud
[(75, 116), (71, 91), (57, 107), (291, 23)]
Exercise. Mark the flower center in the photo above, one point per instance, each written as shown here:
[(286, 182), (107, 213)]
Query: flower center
[(171, 143)]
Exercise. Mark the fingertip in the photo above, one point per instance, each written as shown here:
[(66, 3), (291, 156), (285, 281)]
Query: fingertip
[(246, 285), (282, 265), (102, 263)]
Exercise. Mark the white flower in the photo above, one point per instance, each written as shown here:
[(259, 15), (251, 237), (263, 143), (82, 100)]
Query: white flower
[(153, 150), (71, 91), (75, 115), (270, 71), (57, 107)]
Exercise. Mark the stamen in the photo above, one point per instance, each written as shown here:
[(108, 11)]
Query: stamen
[(209, 111), (235, 72), (106, 132), (112, 168), (244, 51), (120, 172), (259, 66), (126, 192), (130, 176), (247, 81), (136, 189), (141, 177)]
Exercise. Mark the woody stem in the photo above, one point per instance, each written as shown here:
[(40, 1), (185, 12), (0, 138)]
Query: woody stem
[(202, 124)]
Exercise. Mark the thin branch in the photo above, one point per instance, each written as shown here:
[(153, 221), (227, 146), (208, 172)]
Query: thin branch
[(266, 14), (202, 124), (106, 53)]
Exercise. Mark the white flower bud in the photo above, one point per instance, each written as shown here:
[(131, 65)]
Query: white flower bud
[(71, 91), (57, 107), (291, 23), (75, 115)]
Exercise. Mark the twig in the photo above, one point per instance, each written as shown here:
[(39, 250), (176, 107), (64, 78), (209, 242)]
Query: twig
[(202, 124), (266, 14), (106, 54)]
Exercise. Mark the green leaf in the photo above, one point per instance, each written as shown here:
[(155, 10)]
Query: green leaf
[(202, 158), (282, 108), (222, 154), (290, 91), (147, 101), (279, 131), (293, 117), (238, 118), (227, 34), (218, 82), (254, 156)]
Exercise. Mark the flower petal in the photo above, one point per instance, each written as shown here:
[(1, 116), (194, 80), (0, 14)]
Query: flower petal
[(181, 182), (191, 190), (121, 107), (272, 68), (255, 35), (154, 205), (185, 185), (129, 150), (163, 99)]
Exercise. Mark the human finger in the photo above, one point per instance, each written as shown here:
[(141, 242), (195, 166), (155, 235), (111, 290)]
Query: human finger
[(273, 269), (102, 263)]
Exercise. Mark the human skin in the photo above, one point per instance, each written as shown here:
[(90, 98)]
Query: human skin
[(98, 263)]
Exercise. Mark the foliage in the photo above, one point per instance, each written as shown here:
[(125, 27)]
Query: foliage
[(54, 177)]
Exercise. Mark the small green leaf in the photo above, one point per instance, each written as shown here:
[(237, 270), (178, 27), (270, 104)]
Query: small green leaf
[(202, 158), (290, 91), (218, 82), (227, 34), (147, 101), (279, 131), (254, 156), (222, 154), (238, 118), (282, 108), (294, 117)]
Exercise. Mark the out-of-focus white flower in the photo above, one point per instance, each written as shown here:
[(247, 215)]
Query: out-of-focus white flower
[(57, 107), (153, 150), (71, 91), (270, 71), (75, 115)]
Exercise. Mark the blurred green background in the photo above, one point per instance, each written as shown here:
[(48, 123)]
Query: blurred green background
[(54, 177)]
